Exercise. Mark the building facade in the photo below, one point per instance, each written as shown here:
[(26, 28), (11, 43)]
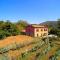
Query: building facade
[(37, 30)]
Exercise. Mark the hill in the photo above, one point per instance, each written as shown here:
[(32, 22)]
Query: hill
[(14, 39), (50, 23)]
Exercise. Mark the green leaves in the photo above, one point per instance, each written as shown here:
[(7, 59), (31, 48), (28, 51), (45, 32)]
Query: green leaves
[(7, 29)]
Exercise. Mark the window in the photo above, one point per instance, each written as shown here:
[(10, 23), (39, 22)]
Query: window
[(37, 30), (41, 29), (45, 29), (41, 35)]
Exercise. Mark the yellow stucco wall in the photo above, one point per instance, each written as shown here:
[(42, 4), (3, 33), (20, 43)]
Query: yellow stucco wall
[(40, 33)]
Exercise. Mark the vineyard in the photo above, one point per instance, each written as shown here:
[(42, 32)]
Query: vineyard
[(23, 47)]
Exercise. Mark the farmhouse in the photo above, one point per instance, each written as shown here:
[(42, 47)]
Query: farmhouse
[(36, 30)]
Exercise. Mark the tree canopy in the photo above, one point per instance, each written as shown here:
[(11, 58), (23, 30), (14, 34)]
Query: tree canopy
[(8, 28), (55, 30)]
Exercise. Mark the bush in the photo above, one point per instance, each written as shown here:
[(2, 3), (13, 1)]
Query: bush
[(4, 57), (4, 50), (53, 39), (2, 34)]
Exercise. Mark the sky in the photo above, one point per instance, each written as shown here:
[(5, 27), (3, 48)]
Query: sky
[(33, 11)]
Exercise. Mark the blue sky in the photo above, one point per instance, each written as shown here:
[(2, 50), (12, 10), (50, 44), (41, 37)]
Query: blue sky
[(33, 11)]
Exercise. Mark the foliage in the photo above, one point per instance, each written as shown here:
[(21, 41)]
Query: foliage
[(11, 29), (21, 24), (2, 34), (55, 30), (4, 57), (58, 23), (37, 50)]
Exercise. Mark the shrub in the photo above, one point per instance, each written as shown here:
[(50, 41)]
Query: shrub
[(4, 50), (4, 57), (2, 34), (38, 54)]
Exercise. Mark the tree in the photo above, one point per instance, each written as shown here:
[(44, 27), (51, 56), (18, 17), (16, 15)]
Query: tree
[(58, 23), (11, 28), (2, 34), (21, 24), (8, 28), (58, 27), (53, 31)]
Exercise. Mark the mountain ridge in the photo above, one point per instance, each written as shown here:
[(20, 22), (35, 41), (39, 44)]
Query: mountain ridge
[(50, 23)]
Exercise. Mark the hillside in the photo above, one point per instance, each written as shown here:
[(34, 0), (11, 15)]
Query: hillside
[(14, 39), (22, 47), (50, 23)]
